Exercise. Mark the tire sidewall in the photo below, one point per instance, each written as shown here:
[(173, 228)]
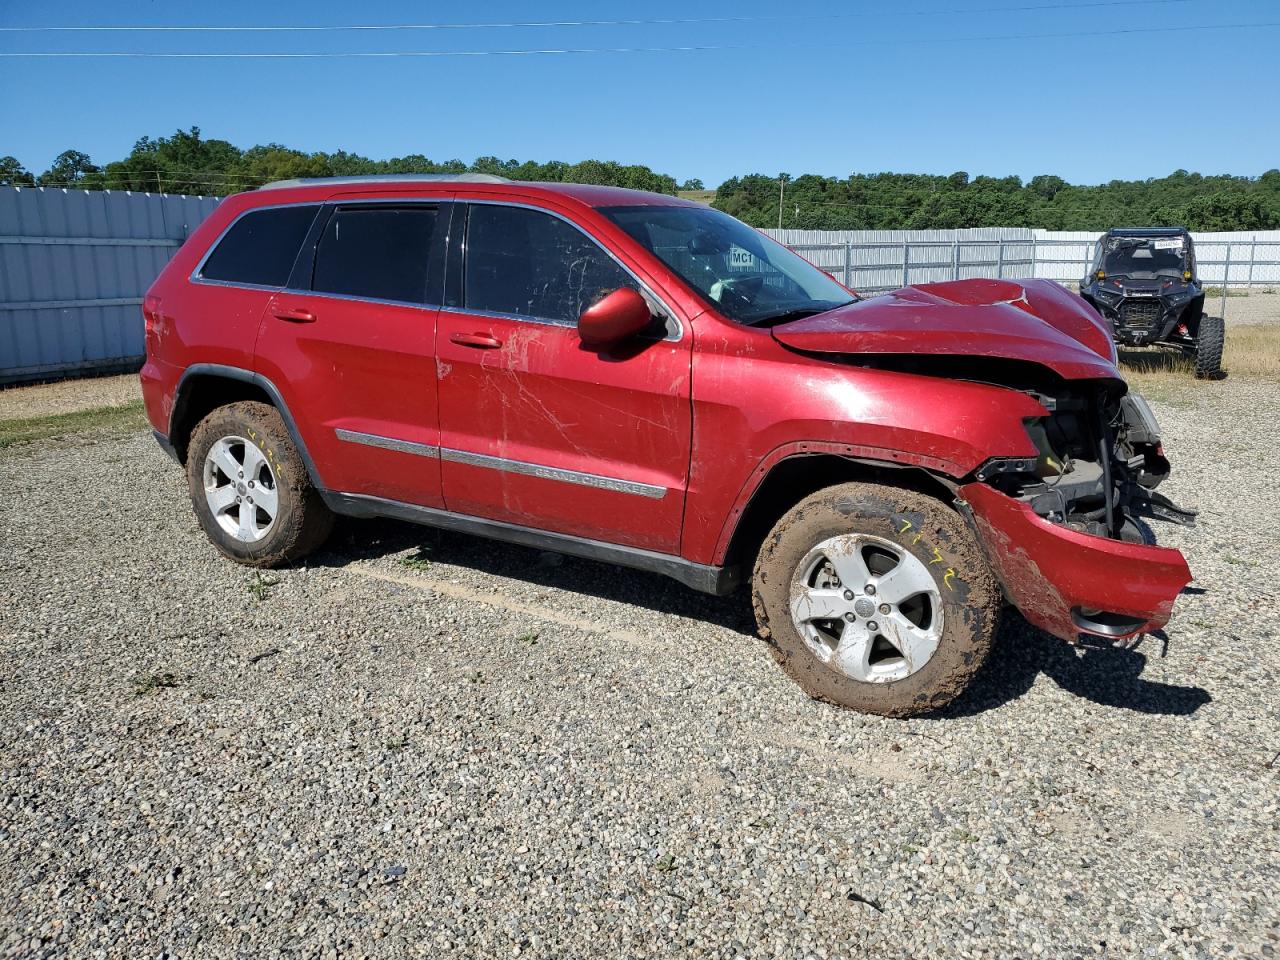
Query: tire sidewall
[(931, 533), (256, 425)]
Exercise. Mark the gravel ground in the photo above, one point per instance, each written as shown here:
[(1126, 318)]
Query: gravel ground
[(428, 745)]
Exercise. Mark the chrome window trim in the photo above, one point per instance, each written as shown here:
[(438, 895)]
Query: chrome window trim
[(387, 443), (321, 204), (647, 490), (495, 315), (675, 337), (351, 298), (195, 274)]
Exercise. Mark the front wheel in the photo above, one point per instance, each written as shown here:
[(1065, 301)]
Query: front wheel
[(876, 599), (1210, 339), (250, 489)]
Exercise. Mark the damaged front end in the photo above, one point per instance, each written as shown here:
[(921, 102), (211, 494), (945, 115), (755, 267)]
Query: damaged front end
[(1064, 529)]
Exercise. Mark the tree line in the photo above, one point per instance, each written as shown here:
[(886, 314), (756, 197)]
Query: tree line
[(896, 201), (186, 162)]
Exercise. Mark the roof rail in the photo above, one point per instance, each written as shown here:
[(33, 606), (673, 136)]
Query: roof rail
[(387, 178), (1149, 231)]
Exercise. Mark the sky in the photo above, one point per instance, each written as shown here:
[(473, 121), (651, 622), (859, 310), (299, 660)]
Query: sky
[(1089, 91)]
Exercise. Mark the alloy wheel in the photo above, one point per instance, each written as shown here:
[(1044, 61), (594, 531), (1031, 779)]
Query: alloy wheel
[(866, 607), (240, 488)]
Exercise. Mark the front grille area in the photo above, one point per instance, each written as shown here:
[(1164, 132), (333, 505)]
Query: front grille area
[(1140, 314)]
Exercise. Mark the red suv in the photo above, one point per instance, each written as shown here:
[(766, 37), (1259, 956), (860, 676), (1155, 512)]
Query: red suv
[(647, 381)]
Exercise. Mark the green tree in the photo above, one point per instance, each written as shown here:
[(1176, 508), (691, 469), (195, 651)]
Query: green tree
[(1233, 210), (14, 174), (70, 168)]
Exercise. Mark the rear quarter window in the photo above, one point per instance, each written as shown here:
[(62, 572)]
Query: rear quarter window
[(260, 247)]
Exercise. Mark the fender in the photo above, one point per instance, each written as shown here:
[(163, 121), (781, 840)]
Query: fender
[(257, 380), (803, 448)]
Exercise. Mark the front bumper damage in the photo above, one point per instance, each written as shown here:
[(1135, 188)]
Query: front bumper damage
[(1068, 582)]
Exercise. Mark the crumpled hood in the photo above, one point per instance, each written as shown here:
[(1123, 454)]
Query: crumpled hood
[(1031, 320)]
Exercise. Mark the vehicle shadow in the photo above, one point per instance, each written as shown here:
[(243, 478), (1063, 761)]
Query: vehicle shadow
[(371, 539), (1104, 674), (1155, 360), (1107, 675)]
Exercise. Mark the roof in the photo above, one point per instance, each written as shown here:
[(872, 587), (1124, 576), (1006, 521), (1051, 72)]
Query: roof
[(591, 195), (1147, 232)]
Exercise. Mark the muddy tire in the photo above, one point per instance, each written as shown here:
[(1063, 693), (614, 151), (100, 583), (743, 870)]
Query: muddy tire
[(250, 489), (1210, 339), (876, 599)]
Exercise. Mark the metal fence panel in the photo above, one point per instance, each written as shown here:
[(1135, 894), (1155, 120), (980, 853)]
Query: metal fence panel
[(74, 266), (874, 261)]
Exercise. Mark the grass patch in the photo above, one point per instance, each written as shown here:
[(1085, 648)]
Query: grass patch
[(1251, 351), (701, 196), (1212, 292), (260, 587), (153, 683), (131, 416), (418, 560)]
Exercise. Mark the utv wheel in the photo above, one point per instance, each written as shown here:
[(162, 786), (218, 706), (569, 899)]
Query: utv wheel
[(250, 489), (876, 599), (1209, 342)]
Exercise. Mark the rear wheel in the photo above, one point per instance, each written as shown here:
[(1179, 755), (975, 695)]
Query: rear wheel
[(1210, 339), (249, 488), (876, 599)]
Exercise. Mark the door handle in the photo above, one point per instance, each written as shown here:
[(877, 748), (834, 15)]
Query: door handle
[(481, 341), (294, 314)]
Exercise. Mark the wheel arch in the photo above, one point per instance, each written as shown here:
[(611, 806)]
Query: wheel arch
[(204, 387), (788, 479)]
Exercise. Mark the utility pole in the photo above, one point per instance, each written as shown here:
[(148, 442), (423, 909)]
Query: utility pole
[(782, 186)]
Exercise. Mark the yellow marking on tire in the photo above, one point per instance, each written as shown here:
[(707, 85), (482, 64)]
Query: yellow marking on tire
[(906, 525), (937, 557)]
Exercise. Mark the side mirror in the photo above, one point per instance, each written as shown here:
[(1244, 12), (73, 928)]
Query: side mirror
[(614, 317)]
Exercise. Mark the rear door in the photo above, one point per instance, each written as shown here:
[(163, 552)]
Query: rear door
[(536, 429), (349, 343), (236, 279)]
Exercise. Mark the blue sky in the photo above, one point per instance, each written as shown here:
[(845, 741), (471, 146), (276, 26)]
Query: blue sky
[(817, 87)]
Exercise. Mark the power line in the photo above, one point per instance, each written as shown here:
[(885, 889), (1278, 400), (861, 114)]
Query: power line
[(698, 48), (638, 21)]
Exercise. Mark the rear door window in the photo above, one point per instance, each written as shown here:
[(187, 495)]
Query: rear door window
[(260, 247), (531, 264), (378, 251)]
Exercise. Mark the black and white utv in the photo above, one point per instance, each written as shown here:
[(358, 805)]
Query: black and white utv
[(1144, 281)]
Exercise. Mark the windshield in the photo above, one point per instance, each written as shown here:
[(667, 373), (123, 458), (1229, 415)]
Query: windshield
[(742, 273), (1144, 258)]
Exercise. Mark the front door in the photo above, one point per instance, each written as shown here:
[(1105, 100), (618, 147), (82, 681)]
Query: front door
[(536, 429)]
